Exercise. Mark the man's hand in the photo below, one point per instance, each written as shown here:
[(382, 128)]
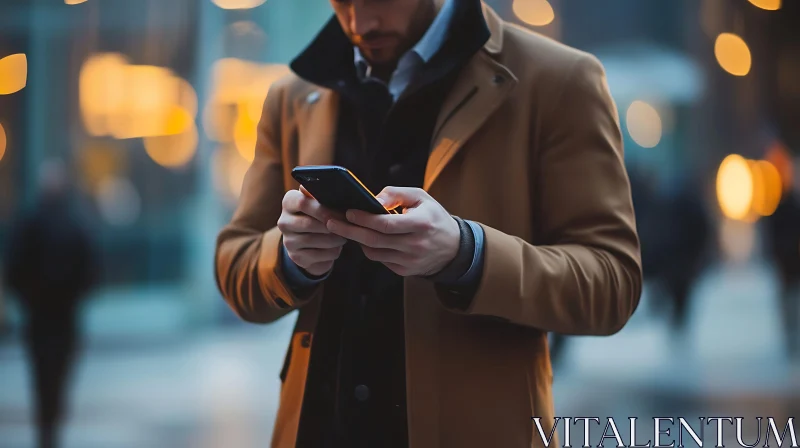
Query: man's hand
[(421, 241), (306, 239)]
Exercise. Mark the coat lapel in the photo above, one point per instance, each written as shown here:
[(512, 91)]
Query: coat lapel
[(317, 119), (480, 89)]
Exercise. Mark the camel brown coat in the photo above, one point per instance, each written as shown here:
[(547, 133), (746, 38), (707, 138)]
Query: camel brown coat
[(527, 144)]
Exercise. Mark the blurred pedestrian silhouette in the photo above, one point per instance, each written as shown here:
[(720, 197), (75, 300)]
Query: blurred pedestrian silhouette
[(676, 247), (783, 244), (50, 267)]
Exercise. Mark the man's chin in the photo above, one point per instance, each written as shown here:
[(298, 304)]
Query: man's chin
[(380, 56)]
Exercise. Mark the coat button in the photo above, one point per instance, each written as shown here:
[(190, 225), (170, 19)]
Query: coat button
[(312, 97), (394, 170), (362, 392), (498, 79), (305, 341)]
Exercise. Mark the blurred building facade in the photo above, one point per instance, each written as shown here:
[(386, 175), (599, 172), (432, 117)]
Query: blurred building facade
[(154, 104)]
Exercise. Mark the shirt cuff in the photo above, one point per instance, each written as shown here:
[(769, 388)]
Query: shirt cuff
[(473, 274), (459, 265), (465, 270), (296, 278), (459, 294)]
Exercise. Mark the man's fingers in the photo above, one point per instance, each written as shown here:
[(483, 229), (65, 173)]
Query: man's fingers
[(310, 257), (361, 235), (304, 241), (300, 223), (387, 255), (292, 201), (407, 197), (295, 201), (389, 224), (316, 210)]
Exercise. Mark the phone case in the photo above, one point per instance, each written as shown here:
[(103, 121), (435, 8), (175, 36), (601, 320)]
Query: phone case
[(337, 188)]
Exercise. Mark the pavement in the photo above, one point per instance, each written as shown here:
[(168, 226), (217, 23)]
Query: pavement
[(219, 387)]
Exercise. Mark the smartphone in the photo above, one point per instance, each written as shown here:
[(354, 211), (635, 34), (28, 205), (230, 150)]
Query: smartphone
[(338, 189)]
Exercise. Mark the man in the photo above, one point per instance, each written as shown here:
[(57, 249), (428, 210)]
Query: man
[(51, 267), (429, 328)]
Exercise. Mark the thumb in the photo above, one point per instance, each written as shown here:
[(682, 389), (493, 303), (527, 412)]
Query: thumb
[(406, 197)]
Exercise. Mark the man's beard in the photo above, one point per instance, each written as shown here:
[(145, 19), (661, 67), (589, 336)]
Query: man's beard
[(386, 63)]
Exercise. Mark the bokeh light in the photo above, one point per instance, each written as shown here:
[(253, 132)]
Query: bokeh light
[(534, 12), (236, 81), (130, 101), (149, 93), (748, 189), (239, 89), (101, 97), (3, 141), (245, 134), (140, 101), (735, 187), (13, 73), (74, 2), (732, 54), (769, 5), (173, 151), (767, 188), (186, 97), (644, 124), (228, 171), (238, 4)]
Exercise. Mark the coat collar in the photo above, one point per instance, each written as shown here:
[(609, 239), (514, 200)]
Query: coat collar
[(495, 24), (328, 60), (482, 85)]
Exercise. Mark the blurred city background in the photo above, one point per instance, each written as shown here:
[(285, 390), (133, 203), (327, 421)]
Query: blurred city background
[(151, 107)]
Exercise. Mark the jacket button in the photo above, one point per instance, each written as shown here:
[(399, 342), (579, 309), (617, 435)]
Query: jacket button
[(394, 170), (362, 392), (498, 79), (305, 341), (312, 97)]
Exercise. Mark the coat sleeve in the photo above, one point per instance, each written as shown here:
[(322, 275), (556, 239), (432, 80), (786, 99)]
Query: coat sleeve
[(585, 277), (247, 259)]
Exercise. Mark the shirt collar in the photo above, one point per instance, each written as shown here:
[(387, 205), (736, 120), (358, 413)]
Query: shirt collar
[(327, 61), (427, 46)]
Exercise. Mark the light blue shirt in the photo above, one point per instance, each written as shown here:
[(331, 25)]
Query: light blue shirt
[(407, 67)]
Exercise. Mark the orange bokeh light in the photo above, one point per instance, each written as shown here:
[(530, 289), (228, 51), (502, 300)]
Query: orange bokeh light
[(13, 73)]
